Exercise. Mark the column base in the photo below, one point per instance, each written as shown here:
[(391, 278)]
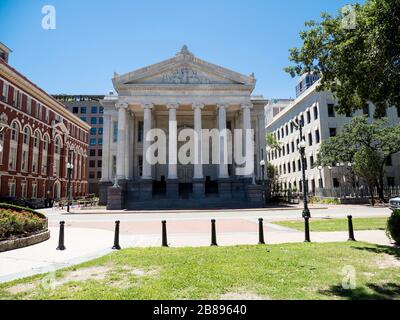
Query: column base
[(199, 188), (255, 195), (146, 189), (172, 188), (103, 186), (225, 188), (116, 196)]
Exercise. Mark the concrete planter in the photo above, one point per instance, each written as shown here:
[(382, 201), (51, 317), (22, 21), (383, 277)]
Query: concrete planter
[(24, 242)]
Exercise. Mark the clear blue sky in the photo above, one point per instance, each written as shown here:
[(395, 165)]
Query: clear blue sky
[(94, 38)]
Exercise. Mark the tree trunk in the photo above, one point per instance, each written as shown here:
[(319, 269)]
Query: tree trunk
[(371, 192), (380, 185)]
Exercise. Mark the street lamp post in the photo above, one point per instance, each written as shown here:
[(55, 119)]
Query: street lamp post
[(70, 166), (262, 164), (306, 212)]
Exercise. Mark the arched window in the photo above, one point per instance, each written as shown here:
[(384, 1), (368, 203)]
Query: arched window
[(14, 131), (27, 135), (46, 143), (36, 139), (57, 146)]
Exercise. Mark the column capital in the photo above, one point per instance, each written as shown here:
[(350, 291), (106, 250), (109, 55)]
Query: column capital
[(121, 105), (172, 106), (148, 106), (247, 106), (222, 106), (197, 106)]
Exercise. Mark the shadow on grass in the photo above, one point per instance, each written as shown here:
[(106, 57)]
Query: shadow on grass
[(379, 249), (371, 291)]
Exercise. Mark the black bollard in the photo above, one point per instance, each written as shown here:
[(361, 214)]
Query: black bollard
[(164, 234), (351, 230), (61, 245), (213, 234), (260, 231), (116, 236), (307, 229)]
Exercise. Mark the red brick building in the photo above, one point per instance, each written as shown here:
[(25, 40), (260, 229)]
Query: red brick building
[(38, 137)]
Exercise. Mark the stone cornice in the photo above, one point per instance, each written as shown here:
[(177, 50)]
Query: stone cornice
[(29, 88)]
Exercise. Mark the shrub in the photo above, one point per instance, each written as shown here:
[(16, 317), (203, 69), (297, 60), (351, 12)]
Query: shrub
[(393, 226), (18, 221)]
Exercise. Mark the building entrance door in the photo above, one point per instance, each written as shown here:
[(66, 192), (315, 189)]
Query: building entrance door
[(185, 173)]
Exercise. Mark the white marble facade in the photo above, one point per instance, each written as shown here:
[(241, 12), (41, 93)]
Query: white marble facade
[(185, 92)]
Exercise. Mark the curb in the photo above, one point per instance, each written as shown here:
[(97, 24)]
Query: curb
[(24, 242)]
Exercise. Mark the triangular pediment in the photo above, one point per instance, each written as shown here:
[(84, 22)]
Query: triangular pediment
[(183, 70), (184, 74)]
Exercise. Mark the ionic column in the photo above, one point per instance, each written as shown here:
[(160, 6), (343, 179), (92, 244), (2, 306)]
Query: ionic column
[(198, 162), (122, 110), (223, 143), (172, 142), (146, 144)]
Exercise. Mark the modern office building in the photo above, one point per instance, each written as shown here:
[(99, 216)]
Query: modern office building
[(179, 95), (89, 110), (320, 122), (38, 138), (305, 82)]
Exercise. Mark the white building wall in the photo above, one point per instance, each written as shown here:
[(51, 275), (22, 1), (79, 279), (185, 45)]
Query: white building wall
[(306, 102)]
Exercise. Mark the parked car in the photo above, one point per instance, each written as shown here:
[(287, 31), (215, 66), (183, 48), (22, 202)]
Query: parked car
[(394, 203)]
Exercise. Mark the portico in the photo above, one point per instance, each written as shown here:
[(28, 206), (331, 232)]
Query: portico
[(182, 97)]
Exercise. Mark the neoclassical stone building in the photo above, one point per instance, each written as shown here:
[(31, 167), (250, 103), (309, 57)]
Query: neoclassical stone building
[(173, 95)]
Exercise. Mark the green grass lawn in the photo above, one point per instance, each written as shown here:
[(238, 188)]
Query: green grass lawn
[(337, 224), (290, 271)]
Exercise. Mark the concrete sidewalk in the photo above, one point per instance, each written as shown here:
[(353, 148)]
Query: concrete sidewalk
[(84, 244)]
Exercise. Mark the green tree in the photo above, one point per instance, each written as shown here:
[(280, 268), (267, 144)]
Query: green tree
[(367, 145), (272, 171), (273, 176), (367, 166), (359, 60), (272, 142)]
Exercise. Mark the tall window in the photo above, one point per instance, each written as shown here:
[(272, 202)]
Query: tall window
[(115, 131), (1, 146), (28, 105), (44, 154), (94, 109), (57, 152), (315, 112), (114, 166), (34, 190), (12, 164), (331, 110), (140, 131), (5, 92), (27, 135), (11, 188), (14, 132), (332, 132), (317, 136), (24, 162), (23, 190)]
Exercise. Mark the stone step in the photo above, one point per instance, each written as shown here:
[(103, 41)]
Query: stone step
[(207, 203)]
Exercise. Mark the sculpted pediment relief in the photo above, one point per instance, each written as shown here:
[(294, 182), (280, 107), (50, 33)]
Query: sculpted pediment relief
[(183, 69), (184, 75)]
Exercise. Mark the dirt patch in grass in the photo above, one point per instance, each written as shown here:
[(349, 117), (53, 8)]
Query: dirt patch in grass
[(92, 273), (385, 261), (21, 288)]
